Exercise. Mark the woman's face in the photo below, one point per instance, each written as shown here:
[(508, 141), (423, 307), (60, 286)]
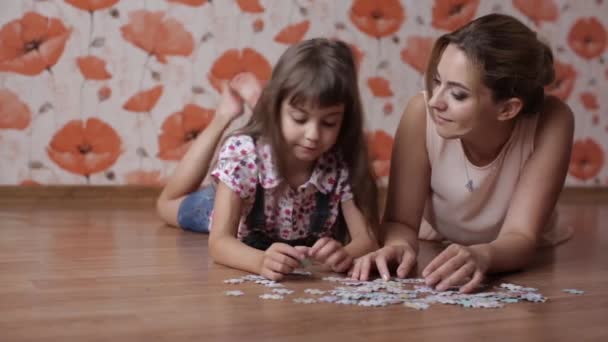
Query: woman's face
[(460, 103)]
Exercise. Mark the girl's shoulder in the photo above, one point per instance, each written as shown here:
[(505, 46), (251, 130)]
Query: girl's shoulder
[(238, 145)]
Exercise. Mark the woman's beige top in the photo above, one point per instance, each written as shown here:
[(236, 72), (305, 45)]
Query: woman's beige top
[(459, 215)]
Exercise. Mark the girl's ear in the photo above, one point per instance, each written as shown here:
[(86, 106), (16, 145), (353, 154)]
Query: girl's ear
[(510, 109)]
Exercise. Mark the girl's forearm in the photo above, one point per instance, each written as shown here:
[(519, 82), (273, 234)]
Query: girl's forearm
[(231, 252)]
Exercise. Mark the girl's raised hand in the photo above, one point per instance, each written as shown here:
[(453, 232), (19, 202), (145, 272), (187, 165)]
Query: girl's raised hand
[(404, 255), (280, 259), (455, 266), (331, 253), (231, 104)]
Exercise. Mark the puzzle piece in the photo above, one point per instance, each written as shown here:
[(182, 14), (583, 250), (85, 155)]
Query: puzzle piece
[(573, 291)]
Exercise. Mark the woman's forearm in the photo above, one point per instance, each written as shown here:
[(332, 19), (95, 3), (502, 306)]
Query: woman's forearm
[(509, 252), (361, 246)]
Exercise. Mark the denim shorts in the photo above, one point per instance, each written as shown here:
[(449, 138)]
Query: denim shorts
[(195, 210)]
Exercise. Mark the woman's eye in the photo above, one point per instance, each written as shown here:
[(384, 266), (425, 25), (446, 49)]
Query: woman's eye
[(459, 96), (330, 124)]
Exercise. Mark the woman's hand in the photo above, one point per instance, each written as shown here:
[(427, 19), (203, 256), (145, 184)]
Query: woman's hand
[(455, 266), (403, 254), (331, 253)]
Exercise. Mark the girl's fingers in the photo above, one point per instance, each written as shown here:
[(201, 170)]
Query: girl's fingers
[(290, 251), (321, 243)]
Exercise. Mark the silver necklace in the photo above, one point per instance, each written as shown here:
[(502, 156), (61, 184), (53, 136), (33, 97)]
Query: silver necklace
[(469, 184)]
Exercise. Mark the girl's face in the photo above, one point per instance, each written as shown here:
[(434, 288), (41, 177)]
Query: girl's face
[(460, 102), (308, 131)]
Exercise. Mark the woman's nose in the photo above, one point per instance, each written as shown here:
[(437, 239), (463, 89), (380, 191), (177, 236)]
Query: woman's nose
[(436, 101)]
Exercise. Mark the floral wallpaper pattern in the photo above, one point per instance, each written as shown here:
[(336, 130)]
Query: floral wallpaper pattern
[(112, 92)]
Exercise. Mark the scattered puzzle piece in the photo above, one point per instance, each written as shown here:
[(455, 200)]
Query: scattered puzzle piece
[(411, 293), (573, 291)]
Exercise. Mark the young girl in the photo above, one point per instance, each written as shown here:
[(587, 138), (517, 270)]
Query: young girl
[(482, 155), (282, 182)]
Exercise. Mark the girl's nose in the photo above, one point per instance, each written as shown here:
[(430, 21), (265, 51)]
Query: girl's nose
[(312, 132)]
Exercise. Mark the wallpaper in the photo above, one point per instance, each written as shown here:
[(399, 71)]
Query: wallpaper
[(112, 92)]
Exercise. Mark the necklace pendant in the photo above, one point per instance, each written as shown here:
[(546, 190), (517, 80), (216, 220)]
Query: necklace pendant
[(469, 185)]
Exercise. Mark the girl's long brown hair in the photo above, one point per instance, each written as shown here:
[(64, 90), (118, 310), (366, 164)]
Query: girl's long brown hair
[(321, 73)]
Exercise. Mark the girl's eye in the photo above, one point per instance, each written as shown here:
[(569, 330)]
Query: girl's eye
[(329, 124), (298, 120)]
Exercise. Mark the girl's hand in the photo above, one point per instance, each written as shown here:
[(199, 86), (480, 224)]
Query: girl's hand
[(404, 255), (279, 259), (331, 253), (455, 266), (231, 104)]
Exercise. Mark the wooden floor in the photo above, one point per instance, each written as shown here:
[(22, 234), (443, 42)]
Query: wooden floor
[(107, 271)]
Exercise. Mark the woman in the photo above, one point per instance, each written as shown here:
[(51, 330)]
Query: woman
[(481, 155)]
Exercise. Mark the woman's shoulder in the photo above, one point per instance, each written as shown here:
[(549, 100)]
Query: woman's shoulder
[(414, 118), (555, 118)]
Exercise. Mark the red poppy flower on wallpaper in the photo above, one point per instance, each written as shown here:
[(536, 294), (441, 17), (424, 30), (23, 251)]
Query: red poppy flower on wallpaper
[(452, 14), (92, 5), (193, 3), (587, 159), (417, 52), (565, 76), (539, 10), (588, 37), (93, 68), (379, 86), (377, 18), (250, 6), (157, 35), (234, 62), (142, 177), (144, 101), (293, 33), (589, 101), (85, 148), (29, 182), (180, 129), (14, 114), (380, 146), (32, 44)]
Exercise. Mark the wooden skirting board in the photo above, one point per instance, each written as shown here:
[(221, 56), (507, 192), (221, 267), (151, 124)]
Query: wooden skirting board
[(148, 193)]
